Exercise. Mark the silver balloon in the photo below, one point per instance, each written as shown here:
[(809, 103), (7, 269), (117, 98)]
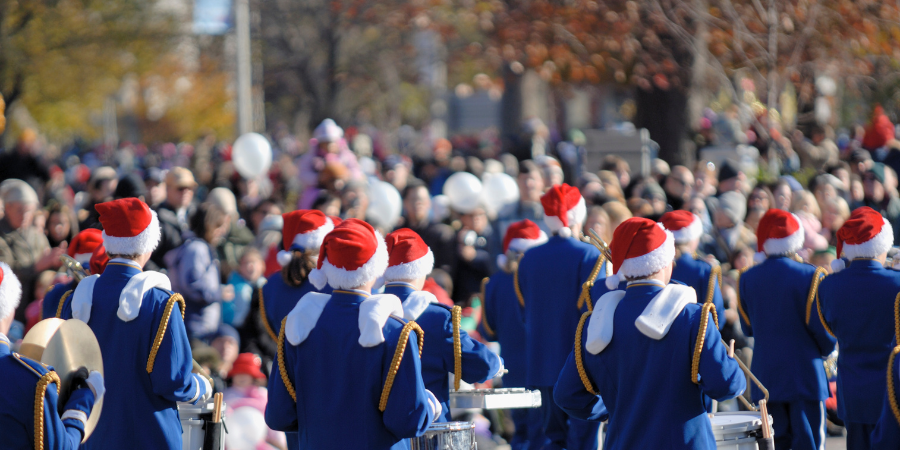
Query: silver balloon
[(252, 155), (500, 191), (385, 204), (464, 191)]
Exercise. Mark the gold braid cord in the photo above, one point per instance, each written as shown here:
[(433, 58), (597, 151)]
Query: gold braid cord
[(62, 301), (518, 291), (282, 366), (714, 274), (262, 316), (456, 314), (701, 338), (821, 317), (737, 289), (897, 318), (892, 398), (163, 325), (579, 359), (40, 391), (814, 293), (398, 358), (484, 319), (585, 297)]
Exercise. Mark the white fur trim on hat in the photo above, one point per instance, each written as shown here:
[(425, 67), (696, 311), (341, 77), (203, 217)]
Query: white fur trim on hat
[(879, 244), (145, 242), (575, 215), (502, 260), (10, 291), (838, 265), (412, 270), (785, 245), (340, 278), (689, 233), (313, 239), (612, 282), (521, 245), (652, 262), (284, 257)]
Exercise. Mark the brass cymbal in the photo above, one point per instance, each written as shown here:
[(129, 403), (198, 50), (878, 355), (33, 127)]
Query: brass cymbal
[(34, 343), (74, 346)]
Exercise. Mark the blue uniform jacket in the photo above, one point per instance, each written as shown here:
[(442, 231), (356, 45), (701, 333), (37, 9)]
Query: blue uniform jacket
[(279, 299), (20, 377), (787, 353), (858, 306), (140, 410), (695, 273), (52, 298), (478, 362), (339, 383), (503, 320), (660, 406), (550, 279), (887, 431)]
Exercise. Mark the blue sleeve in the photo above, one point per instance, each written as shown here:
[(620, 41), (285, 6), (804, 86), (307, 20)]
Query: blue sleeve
[(571, 395), (171, 377), (281, 410), (824, 340), (721, 378), (408, 412), (65, 434), (199, 274), (51, 300)]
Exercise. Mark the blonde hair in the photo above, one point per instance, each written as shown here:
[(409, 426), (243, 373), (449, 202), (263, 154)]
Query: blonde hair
[(843, 209), (806, 201)]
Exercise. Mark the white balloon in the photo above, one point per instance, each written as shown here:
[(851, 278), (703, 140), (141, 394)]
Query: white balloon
[(440, 208), (251, 155), (500, 191), (464, 191), (246, 428), (385, 204)]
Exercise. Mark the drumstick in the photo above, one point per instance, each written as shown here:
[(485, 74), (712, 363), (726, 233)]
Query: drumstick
[(217, 410), (764, 412)]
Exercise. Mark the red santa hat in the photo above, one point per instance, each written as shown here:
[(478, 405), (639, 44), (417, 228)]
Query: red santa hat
[(351, 255), (99, 260), (303, 230), (408, 256), (779, 233), (335, 220), (639, 247), (684, 225), (521, 236), (130, 227), (84, 244), (866, 234), (10, 291), (563, 206)]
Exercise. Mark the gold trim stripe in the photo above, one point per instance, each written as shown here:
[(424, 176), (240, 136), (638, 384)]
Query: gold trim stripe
[(282, 366), (163, 325), (585, 297), (714, 274), (40, 391), (262, 315), (892, 398), (456, 316), (818, 276), (484, 320), (701, 338), (62, 301), (737, 289), (398, 358), (579, 359)]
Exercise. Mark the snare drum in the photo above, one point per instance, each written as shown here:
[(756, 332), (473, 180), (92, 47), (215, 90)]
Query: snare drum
[(193, 419), (737, 430), (446, 436), (509, 398)]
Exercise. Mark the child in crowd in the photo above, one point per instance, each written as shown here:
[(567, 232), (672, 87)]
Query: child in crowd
[(245, 280), (246, 378)]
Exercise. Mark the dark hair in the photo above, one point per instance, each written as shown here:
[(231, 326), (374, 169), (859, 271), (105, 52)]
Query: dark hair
[(207, 217), (297, 271), (412, 185), (324, 198), (528, 167)]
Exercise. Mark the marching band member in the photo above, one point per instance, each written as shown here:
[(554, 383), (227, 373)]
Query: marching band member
[(139, 325), (348, 354), (665, 354), (696, 273), (503, 320), (81, 249), (864, 329), (886, 435), (27, 382), (550, 278), (775, 304), (409, 262)]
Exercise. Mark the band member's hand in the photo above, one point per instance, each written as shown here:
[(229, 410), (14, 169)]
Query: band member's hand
[(96, 383), (207, 388), (434, 403)]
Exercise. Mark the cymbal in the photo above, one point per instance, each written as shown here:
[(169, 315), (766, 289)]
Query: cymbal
[(34, 343), (74, 346)]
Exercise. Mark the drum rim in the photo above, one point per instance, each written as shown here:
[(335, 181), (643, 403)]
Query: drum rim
[(451, 426)]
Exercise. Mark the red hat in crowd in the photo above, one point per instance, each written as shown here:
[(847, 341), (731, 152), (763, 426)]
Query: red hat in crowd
[(408, 256), (521, 236), (84, 243), (10, 291), (351, 255), (684, 225), (304, 229), (779, 233), (563, 206), (247, 364), (866, 234), (639, 247), (130, 227), (99, 260)]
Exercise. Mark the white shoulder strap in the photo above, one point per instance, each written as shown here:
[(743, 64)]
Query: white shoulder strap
[(303, 318), (132, 295), (83, 298), (658, 316), (600, 327), (374, 312), (416, 303)]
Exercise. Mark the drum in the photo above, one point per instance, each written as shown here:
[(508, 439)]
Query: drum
[(507, 398), (193, 420), (737, 430), (446, 436)]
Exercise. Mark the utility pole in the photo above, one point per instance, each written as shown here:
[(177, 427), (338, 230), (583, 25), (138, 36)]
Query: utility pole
[(771, 101), (244, 92)]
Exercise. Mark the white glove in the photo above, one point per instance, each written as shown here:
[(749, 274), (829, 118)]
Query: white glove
[(434, 403), (207, 389), (95, 382), (502, 370)]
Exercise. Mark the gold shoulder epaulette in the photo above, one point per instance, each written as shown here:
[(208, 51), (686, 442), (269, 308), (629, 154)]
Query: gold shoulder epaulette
[(398, 358), (163, 325)]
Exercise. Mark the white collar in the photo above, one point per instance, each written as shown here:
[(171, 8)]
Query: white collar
[(4, 338), (127, 262), (648, 281)]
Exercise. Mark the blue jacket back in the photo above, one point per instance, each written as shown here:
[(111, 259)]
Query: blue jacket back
[(503, 320)]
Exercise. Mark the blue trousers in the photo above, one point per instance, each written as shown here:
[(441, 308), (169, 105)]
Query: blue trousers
[(563, 432), (529, 428), (798, 425), (859, 435)]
